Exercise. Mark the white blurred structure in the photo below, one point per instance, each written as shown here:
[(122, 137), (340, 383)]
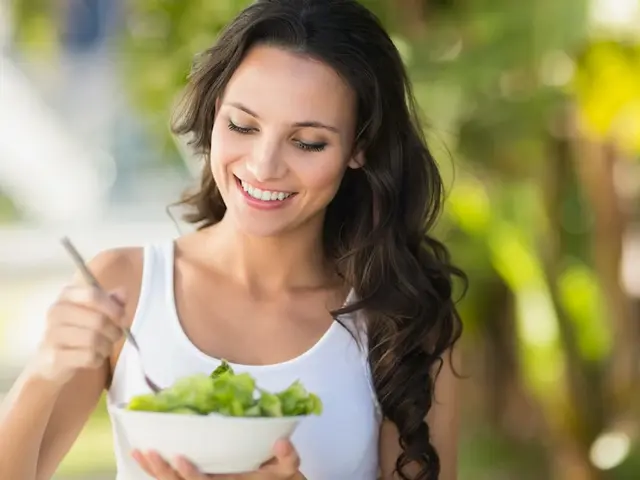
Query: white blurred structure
[(49, 175), (616, 17)]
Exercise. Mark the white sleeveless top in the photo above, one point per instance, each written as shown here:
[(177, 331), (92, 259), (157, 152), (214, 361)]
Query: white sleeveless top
[(341, 444)]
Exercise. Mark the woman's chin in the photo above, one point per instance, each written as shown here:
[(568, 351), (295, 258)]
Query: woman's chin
[(262, 229), (266, 224)]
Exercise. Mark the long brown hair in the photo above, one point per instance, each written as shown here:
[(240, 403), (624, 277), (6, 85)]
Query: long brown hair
[(376, 228)]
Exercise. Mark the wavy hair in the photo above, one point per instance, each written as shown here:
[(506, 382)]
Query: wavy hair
[(376, 227)]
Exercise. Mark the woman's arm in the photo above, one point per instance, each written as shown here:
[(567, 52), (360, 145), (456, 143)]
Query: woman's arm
[(39, 419), (443, 419)]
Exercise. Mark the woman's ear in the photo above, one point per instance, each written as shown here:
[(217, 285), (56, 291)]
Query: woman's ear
[(357, 161)]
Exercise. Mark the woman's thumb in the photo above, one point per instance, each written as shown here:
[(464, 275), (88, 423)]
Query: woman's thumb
[(119, 295)]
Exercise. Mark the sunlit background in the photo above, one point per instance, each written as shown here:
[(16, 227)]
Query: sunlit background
[(533, 111)]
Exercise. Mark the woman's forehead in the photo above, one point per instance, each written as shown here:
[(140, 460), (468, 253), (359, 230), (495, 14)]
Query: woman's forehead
[(275, 82)]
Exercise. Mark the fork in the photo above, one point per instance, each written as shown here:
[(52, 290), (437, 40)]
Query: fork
[(91, 279)]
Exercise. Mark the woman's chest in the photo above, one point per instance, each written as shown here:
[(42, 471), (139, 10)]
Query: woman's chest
[(252, 333)]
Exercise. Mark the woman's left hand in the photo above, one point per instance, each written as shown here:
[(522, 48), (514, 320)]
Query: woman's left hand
[(284, 466)]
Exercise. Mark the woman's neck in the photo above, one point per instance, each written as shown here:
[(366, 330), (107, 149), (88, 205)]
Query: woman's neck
[(289, 261)]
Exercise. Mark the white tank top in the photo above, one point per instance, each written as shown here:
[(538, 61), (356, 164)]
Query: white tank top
[(341, 444)]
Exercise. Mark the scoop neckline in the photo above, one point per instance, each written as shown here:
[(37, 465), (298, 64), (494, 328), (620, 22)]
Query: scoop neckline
[(186, 341)]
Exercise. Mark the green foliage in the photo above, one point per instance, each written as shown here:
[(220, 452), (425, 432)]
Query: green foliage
[(35, 26), (8, 210), (161, 40), (607, 85)]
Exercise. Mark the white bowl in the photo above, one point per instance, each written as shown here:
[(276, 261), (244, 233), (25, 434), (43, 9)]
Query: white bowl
[(213, 443)]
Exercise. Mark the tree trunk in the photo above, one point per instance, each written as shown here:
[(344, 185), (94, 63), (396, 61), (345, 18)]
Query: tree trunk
[(412, 16), (595, 165), (571, 440), (507, 405), (571, 462)]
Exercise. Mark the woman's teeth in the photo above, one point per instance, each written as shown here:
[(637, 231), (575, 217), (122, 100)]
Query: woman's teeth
[(264, 195)]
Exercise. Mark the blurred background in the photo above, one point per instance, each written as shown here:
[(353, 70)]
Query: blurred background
[(533, 111)]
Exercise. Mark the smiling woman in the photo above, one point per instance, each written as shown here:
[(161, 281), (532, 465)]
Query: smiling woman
[(312, 260)]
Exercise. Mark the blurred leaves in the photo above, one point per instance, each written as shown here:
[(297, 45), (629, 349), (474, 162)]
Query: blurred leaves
[(36, 26), (582, 298), (8, 210), (161, 40), (607, 85)]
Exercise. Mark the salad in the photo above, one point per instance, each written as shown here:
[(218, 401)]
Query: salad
[(227, 393)]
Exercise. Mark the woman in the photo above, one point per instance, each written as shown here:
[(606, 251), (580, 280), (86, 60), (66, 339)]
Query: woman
[(310, 261)]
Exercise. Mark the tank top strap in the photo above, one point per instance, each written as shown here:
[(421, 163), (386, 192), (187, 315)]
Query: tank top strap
[(157, 279), (356, 323)]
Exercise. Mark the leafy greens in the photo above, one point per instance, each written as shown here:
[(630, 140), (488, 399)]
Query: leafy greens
[(227, 393)]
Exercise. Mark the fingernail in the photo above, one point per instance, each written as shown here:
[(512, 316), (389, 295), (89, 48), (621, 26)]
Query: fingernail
[(153, 455), (184, 466), (283, 447), (119, 294)]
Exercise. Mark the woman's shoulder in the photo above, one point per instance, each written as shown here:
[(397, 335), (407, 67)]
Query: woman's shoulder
[(120, 268), (118, 265), (114, 266)]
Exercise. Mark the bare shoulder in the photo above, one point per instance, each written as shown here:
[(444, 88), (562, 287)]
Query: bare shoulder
[(113, 266), (120, 268)]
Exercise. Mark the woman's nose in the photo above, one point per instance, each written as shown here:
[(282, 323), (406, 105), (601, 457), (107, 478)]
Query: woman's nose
[(266, 162)]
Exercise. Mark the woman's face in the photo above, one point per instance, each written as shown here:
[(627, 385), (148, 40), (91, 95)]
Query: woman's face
[(281, 141)]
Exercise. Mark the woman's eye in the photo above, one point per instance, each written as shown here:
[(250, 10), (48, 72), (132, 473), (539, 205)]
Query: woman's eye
[(310, 147), (237, 128), (307, 147)]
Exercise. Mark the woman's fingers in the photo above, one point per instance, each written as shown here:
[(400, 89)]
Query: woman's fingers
[(287, 456), (284, 465), (144, 463), (286, 461), (153, 464), (189, 471)]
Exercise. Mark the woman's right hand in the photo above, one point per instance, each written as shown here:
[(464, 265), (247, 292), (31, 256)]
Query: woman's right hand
[(82, 327)]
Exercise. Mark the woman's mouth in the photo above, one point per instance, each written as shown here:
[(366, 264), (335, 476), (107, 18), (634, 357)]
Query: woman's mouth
[(263, 198)]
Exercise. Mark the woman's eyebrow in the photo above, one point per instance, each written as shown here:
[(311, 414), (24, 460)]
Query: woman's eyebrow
[(304, 124), (314, 124)]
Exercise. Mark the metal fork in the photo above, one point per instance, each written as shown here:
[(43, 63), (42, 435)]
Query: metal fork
[(89, 278)]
